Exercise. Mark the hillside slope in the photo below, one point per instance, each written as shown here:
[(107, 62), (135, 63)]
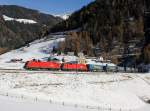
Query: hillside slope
[(20, 25), (146, 49), (115, 27), (38, 49)]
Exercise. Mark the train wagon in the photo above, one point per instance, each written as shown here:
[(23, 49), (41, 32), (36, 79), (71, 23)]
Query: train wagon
[(74, 67), (112, 68), (34, 65), (100, 68), (94, 68)]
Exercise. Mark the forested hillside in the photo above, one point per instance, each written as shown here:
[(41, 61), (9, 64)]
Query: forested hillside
[(146, 49), (113, 26), (14, 34)]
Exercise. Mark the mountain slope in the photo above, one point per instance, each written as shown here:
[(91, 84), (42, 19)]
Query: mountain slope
[(20, 25), (111, 26), (21, 12), (146, 48)]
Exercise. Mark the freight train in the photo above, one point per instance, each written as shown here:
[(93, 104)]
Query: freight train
[(53, 65)]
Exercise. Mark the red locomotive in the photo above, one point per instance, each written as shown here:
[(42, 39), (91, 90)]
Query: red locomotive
[(74, 67), (42, 65)]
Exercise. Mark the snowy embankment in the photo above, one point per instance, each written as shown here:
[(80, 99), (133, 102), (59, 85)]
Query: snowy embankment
[(36, 50), (105, 91)]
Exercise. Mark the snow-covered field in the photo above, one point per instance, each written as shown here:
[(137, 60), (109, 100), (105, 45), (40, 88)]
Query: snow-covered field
[(98, 90), (70, 91), (13, 104)]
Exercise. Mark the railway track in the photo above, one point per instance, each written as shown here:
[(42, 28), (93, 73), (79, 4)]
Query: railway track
[(56, 72), (46, 72)]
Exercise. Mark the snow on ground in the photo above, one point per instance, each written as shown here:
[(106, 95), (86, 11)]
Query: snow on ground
[(100, 90), (37, 50), (25, 21), (118, 91), (23, 105)]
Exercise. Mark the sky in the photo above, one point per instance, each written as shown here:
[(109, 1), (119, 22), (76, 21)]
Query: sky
[(49, 6)]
